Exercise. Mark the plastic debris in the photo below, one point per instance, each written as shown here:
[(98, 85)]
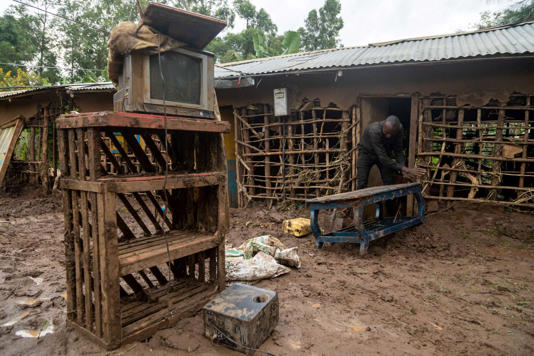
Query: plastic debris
[(260, 258), (298, 227), (48, 329)]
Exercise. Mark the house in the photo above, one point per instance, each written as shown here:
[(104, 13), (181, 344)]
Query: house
[(465, 101), (37, 108)]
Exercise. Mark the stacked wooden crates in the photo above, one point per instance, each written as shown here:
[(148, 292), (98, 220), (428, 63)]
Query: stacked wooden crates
[(144, 226)]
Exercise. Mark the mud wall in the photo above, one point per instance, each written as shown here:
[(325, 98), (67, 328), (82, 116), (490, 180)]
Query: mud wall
[(474, 82)]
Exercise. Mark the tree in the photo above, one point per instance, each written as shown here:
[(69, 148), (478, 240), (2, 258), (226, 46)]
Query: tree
[(215, 8), (521, 11), (321, 29), (258, 39), (25, 41), (86, 28)]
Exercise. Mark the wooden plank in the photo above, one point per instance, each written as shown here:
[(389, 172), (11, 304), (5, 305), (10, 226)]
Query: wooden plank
[(87, 186), (147, 211), (497, 151), (124, 155), (267, 159), (239, 175), (212, 253), (82, 167), (522, 169), (93, 153), (457, 150), (86, 251), (73, 162), (138, 151), (221, 270), (108, 154), (109, 268), (69, 254), (134, 261), (158, 209), (201, 259), (412, 145), (123, 227), (5, 156), (156, 183), (155, 151), (134, 214), (96, 266), (142, 121), (44, 151), (77, 257)]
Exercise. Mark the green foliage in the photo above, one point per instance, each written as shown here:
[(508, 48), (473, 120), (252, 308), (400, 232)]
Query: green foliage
[(85, 38), (17, 43), (215, 8), (322, 28), (19, 78), (521, 11), (77, 39), (291, 42)]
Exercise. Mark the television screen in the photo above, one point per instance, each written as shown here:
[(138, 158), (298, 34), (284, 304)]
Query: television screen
[(183, 75)]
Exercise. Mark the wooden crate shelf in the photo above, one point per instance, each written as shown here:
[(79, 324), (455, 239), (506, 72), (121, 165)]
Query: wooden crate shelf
[(145, 252), (144, 228)]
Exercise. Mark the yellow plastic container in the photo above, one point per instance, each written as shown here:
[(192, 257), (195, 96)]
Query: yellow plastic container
[(298, 227)]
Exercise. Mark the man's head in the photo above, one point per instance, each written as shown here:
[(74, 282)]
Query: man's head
[(391, 126)]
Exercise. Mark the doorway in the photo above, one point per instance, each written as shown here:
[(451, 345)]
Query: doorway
[(377, 109)]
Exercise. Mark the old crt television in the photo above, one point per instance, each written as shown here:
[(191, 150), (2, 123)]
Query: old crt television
[(187, 85)]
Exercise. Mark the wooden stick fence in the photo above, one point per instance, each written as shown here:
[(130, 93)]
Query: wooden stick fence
[(483, 154), (305, 155)]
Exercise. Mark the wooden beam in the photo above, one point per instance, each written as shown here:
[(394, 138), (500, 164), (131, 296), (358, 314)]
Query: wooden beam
[(141, 121)]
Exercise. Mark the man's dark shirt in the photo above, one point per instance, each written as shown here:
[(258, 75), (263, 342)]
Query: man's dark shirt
[(374, 143)]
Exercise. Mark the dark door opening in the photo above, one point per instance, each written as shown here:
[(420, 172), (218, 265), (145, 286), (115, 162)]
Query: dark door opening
[(377, 109)]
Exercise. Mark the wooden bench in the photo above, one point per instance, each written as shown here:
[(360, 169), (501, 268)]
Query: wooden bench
[(360, 231)]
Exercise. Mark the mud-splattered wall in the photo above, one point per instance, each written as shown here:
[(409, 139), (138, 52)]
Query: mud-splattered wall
[(373, 92)]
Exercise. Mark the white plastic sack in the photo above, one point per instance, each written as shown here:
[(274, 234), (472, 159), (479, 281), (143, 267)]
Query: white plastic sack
[(261, 266), (259, 258)]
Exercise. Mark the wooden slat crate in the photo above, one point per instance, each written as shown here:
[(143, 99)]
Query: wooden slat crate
[(144, 235)]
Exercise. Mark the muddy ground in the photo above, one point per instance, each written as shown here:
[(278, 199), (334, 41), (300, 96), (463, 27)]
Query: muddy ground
[(463, 283)]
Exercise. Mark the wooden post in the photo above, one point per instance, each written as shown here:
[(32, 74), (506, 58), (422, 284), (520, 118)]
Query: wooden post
[(238, 164), (497, 152), (109, 268), (267, 160), (457, 150), (525, 146), (44, 151), (412, 146), (291, 156)]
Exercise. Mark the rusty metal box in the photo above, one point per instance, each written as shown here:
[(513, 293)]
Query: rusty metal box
[(241, 317)]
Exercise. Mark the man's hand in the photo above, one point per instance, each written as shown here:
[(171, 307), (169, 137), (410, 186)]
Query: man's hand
[(412, 173)]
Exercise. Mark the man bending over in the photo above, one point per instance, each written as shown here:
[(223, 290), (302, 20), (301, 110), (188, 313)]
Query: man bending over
[(380, 140)]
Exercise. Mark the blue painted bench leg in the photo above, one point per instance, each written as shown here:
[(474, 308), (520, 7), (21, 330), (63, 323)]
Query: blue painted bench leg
[(364, 245), (314, 217)]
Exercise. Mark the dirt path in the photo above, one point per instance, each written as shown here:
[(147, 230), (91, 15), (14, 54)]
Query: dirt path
[(463, 283)]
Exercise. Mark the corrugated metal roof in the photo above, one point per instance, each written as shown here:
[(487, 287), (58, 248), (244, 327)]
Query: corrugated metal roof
[(91, 86), (505, 40), (82, 87)]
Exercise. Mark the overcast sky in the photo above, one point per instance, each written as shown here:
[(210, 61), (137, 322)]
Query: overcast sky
[(368, 21)]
